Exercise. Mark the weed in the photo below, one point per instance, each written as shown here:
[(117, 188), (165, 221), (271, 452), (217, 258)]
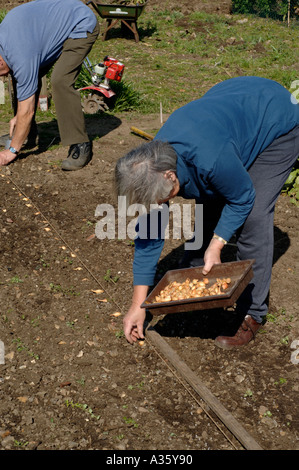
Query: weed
[(281, 381), (274, 317), (66, 291), (44, 263), (138, 385), (271, 317), (70, 324), (20, 444), (285, 340), (35, 322), (119, 334), (81, 381), (87, 225), (141, 384), (130, 422), (15, 280), (55, 288), (22, 347), (82, 406), (108, 277)]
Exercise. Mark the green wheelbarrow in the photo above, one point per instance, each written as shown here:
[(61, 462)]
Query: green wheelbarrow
[(126, 14)]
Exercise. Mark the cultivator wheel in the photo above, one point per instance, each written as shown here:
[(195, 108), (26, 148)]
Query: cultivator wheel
[(93, 103)]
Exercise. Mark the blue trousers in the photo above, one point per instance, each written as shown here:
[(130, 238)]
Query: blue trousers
[(255, 239)]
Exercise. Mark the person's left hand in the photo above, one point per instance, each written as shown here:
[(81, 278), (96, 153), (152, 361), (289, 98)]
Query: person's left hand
[(6, 156)]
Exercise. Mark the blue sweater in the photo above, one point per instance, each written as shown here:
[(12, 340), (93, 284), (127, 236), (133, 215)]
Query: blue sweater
[(217, 138), (32, 36)]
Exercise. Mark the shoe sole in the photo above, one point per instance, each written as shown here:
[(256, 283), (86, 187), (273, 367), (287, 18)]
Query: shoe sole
[(75, 167)]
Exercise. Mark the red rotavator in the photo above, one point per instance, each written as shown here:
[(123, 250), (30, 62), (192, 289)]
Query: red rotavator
[(101, 74)]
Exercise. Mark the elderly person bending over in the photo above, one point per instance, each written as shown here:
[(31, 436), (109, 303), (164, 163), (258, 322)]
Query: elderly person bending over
[(231, 150)]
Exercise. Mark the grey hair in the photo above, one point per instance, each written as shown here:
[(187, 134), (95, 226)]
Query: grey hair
[(139, 175)]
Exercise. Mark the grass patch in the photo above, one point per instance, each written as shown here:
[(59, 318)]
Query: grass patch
[(180, 57)]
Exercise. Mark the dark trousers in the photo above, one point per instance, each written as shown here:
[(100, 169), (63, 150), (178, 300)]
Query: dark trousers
[(255, 239), (67, 99)]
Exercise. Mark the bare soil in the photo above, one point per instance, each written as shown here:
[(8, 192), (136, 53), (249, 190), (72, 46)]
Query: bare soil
[(69, 380)]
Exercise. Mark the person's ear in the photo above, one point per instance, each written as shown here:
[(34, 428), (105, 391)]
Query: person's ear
[(170, 175)]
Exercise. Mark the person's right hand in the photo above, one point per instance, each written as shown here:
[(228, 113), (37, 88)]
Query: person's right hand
[(6, 156), (133, 323)]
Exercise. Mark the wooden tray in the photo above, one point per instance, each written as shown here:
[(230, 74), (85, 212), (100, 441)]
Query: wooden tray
[(240, 273)]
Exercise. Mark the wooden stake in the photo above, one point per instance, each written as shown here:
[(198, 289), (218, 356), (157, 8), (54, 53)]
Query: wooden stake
[(141, 133)]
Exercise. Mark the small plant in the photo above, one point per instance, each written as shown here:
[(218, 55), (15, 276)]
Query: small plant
[(70, 323), (141, 384), (273, 317), (44, 263), (66, 291), (108, 277), (130, 422), (82, 406), (16, 280), (119, 334), (35, 322), (20, 444), (285, 340), (81, 381), (55, 288), (22, 347), (281, 381)]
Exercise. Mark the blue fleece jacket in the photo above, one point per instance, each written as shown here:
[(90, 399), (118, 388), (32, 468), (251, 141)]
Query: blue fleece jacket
[(32, 36), (217, 138)]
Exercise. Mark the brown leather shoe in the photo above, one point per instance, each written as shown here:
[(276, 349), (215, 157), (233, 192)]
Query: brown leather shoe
[(244, 335)]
